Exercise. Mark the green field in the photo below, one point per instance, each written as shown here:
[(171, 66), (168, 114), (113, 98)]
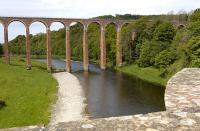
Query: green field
[(28, 94), (149, 74)]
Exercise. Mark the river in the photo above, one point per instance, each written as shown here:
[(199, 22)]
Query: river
[(110, 93)]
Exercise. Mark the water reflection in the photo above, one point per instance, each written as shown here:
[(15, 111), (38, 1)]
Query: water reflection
[(114, 94)]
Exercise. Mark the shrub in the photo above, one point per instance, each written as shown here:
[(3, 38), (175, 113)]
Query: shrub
[(165, 58)]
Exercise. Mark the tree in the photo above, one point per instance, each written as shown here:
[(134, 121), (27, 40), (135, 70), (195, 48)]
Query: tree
[(149, 50), (195, 16), (165, 32), (194, 49), (165, 58)]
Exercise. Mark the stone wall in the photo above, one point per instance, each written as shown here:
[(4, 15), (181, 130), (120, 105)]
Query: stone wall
[(182, 99)]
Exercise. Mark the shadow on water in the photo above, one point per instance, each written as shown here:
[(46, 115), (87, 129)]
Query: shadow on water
[(111, 93)]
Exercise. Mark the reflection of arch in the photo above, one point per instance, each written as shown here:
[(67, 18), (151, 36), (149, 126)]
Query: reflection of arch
[(17, 20), (40, 21)]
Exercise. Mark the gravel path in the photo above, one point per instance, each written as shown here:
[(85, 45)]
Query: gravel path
[(70, 104)]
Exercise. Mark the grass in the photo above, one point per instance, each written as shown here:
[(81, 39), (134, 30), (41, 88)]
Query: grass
[(28, 94), (149, 74)]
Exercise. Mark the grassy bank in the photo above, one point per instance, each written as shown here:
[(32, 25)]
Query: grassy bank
[(28, 94), (149, 74)]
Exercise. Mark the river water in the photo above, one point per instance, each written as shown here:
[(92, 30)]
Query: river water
[(111, 93)]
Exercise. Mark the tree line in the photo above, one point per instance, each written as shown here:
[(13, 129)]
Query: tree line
[(157, 43)]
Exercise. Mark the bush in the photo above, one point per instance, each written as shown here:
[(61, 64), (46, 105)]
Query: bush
[(195, 16), (196, 63), (148, 52), (194, 48), (165, 58), (165, 32)]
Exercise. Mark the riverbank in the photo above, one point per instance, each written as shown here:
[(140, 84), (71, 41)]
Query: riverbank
[(70, 105), (28, 94), (149, 74)]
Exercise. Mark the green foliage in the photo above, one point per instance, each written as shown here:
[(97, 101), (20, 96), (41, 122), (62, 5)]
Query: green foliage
[(127, 43), (149, 74), (165, 58), (18, 45), (164, 32), (156, 43), (94, 42), (149, 50), (111, 35), (195, 16), (194, 49), (76, 39)]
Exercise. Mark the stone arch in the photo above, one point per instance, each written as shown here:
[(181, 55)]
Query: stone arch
[(97, 22), (126, 48), (40, 21), (76, 21), (58, 46), (57, 21), (20, 48), (122, 24), (94, 47), (76, 38), (61, 23), (113, 23), (34, 32), (16, 20)]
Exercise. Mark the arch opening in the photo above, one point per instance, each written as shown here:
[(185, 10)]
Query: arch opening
[(76, 41), (38, 40), (17, 39), (111, 39), (58, 40), (127, 42), (94, 36), (76, 37)]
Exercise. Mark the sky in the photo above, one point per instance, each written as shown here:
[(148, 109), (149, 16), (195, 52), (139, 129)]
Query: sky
[(84, 9)]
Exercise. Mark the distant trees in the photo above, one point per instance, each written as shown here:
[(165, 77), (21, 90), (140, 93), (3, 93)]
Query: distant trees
[(157, 43)]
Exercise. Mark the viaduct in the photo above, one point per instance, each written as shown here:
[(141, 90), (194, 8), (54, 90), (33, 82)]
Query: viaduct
[(27, 21)]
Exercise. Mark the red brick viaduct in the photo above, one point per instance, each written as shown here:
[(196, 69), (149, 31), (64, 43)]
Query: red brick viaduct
[(27, 21)]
